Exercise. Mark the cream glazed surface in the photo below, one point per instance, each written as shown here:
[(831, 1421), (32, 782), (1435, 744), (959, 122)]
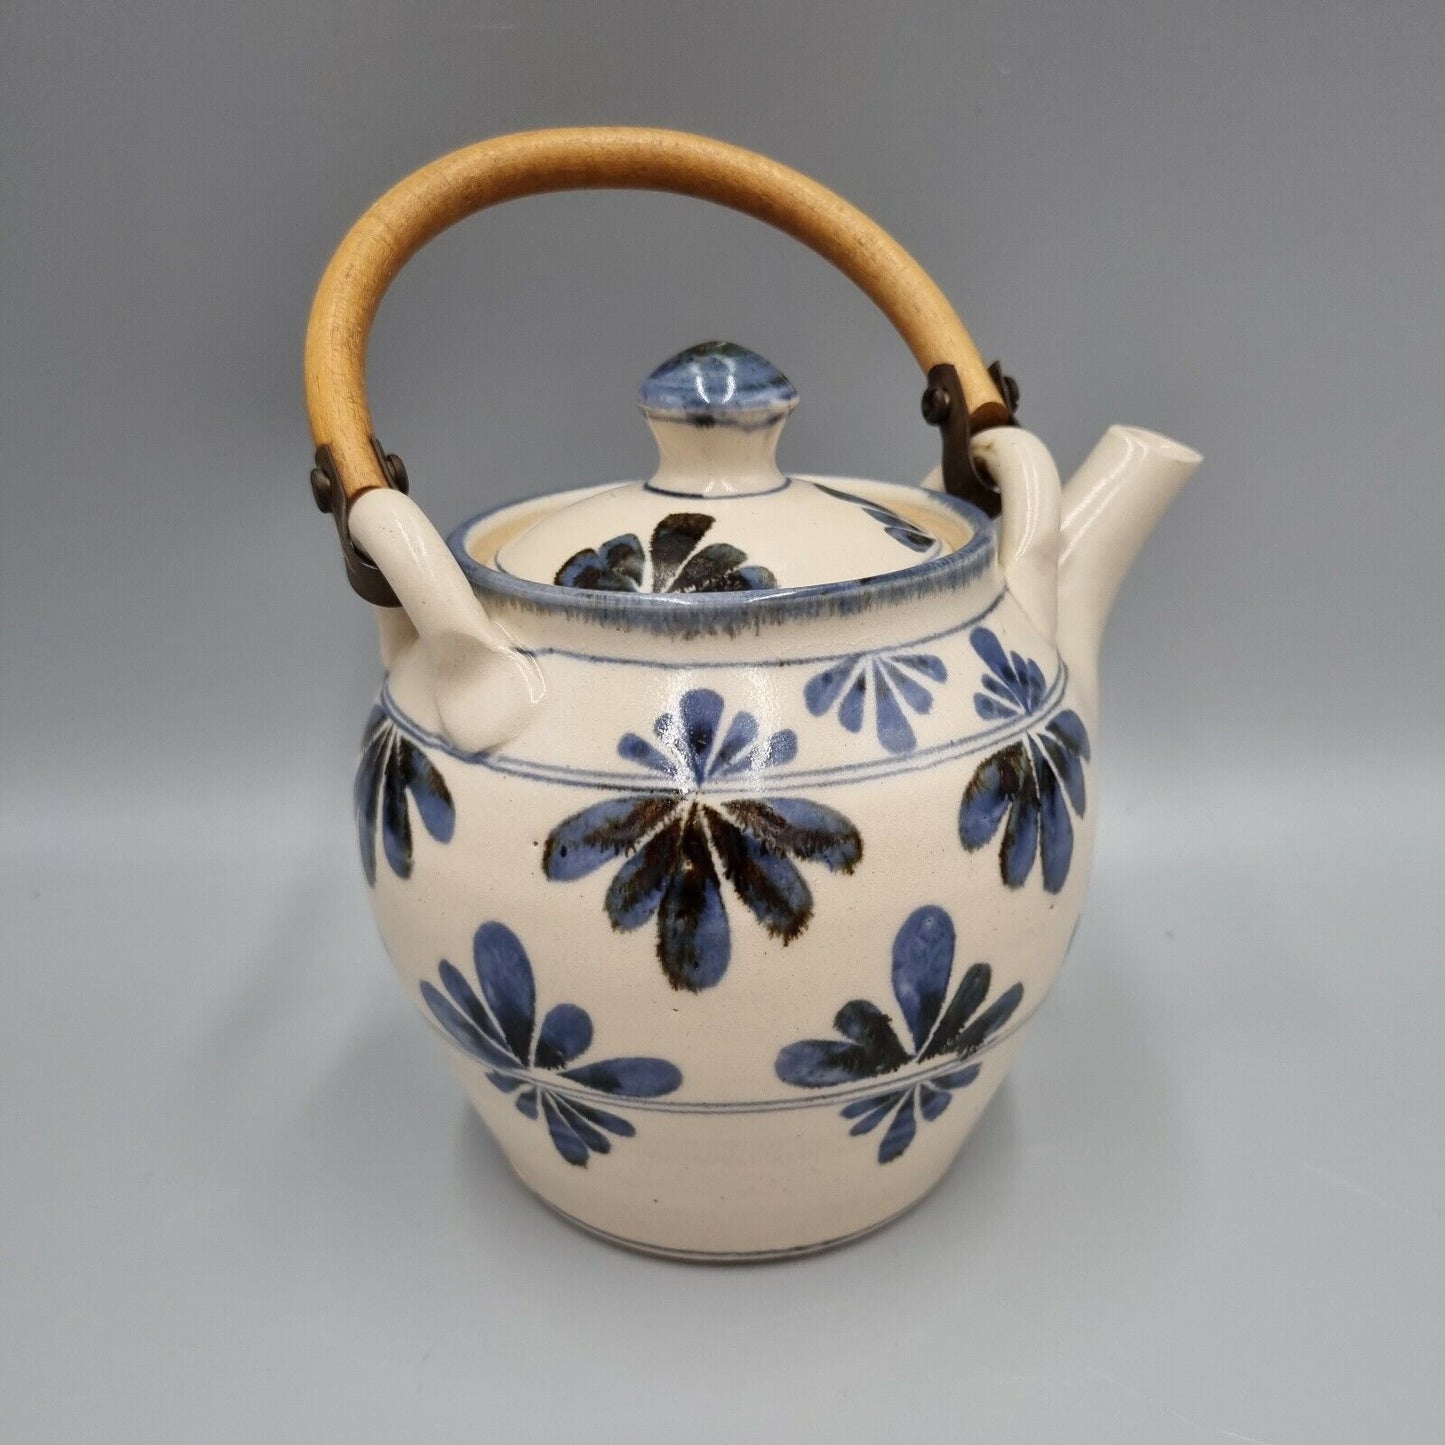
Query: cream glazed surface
[(731, 949)]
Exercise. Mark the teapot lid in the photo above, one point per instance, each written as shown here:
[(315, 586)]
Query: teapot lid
[(717, 515)]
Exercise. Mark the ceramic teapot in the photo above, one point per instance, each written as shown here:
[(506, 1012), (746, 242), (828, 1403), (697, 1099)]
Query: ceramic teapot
[(728, 827)]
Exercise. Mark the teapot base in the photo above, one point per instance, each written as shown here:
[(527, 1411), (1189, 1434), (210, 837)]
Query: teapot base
[(727, 1188), (734, 1256)]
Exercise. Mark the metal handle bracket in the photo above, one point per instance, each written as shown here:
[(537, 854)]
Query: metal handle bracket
[(945, 407), (364, 575)]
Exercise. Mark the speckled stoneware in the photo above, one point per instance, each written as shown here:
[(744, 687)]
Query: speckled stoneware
[(728, 828)]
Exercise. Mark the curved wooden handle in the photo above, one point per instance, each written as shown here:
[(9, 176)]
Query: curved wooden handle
[(589, 158)]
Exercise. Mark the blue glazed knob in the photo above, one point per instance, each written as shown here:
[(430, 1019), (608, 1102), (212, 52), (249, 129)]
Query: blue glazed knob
[(716, 411), (717, 383)]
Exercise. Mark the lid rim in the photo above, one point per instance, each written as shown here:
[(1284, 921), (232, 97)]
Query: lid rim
[(697, 612)]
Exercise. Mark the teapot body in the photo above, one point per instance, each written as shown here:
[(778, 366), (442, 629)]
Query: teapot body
[(727, 828), (733, 943)]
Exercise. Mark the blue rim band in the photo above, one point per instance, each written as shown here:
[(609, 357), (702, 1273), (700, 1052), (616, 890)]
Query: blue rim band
[(692, 614)]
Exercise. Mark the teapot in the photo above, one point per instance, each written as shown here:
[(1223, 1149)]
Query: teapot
[(727, 828)]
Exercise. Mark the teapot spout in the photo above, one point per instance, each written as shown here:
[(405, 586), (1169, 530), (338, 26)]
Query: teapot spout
[(1110, 506)]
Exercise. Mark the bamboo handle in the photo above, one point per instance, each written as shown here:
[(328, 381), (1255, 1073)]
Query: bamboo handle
[(588, 158)]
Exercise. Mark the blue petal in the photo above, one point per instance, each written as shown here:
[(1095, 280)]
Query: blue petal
[(861, 1020), (1056, 835), (894, 730), (1069, 728), (375, 734), (673, 539), (913, 692), (869, 1113), (948, 1038), (856, 1108), (850, 714), (693, 943), (375, 725), (925, 662), (581, 844), (593, 1138), (624, 555), (755, 578), (638, 750), (429, 792), (823, 688), (1069, 768), (566, 1032), (900, 1133), (995, 688), (931, 1101), (604, 1120), (866, 1024), (580, 569), (991, 1020), (821, 1063), (637, 887), (897, 527), (462, 994), (507, 1083), (1020, 835), (995, 659), (714, 569), (615, 567), (1031, 679), (736, 743), (768, 882), (922, 962), (366, 795), (782, 748), (462, 1031), (1038, 686), (631, 1078), (505, 974), (842, 496), (395, 824), (911, 537), (869, 1048), (527, 1103), (987, 797), (958, 1079), (990, 709), (801, 829), (700, 712), (564, 1138)]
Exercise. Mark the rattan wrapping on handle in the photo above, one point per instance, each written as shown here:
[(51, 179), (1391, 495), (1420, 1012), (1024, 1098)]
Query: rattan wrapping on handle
[(593, 158)]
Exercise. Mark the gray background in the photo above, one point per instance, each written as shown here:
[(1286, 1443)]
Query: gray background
[(239, 1198)]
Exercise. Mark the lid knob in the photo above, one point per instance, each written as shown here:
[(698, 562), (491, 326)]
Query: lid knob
[(716, 411)]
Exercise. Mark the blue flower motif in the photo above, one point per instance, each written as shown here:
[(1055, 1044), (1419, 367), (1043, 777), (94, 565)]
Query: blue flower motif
[(897, 527), (1032, 782), (392, 766), (618, 564), (499, 1029), (678, 847), (892, 676), (870, 1047)]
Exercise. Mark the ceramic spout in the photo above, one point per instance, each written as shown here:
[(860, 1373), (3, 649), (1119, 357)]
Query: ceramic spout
[(1110, 506)]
